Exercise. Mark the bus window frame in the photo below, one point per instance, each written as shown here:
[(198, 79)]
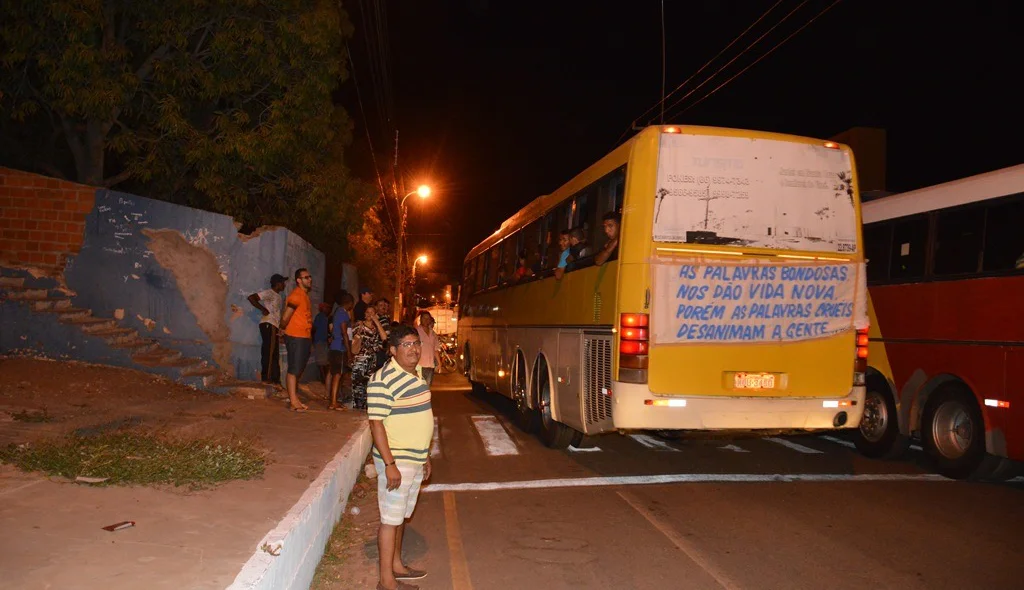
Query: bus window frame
[(932, 217), (607, 192)]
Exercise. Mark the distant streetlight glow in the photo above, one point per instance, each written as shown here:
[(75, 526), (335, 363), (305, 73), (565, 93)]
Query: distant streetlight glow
[(423, 191), (422, 258)]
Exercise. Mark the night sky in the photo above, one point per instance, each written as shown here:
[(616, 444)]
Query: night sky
[(499, 102)]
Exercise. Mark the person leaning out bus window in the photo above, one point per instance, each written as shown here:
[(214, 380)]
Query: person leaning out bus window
[(610, 251), (566, 254), (522, 269)]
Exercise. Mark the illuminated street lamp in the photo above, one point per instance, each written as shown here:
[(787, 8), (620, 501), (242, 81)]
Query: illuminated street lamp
[(422, 191), (422, 258)]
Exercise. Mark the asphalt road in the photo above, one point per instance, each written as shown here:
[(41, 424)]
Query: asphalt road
[(790, 512)]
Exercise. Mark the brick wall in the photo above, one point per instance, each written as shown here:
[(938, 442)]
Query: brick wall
[(42, 220)]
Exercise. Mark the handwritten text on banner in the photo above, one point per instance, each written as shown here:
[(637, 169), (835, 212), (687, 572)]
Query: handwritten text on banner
[(711, 302)]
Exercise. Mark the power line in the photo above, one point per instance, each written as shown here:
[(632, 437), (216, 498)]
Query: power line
[(369, 140), (662, 101), (740, 54), (770, 51), (695, 74)]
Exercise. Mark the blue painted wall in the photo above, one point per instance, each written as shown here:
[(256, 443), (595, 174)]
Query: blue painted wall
[(118, 269)]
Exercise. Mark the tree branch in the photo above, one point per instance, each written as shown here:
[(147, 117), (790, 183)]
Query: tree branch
[(51, 170), (147, 66), (75, 144), (257, 93), (117, 179)]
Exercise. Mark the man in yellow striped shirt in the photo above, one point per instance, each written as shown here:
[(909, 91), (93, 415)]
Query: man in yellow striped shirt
[(402, 425)]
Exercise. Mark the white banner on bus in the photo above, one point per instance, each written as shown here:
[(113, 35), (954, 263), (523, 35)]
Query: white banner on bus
[(700, 301)]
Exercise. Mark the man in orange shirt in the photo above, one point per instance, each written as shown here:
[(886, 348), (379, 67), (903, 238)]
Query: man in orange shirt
[(297, 324)]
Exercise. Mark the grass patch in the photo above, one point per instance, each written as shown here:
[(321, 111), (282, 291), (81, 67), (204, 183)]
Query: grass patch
[(32, 416), (139, 458), (340, 545)]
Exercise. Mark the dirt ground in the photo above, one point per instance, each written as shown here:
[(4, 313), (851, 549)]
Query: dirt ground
[(40, 397), (184, 538), (350, 558)]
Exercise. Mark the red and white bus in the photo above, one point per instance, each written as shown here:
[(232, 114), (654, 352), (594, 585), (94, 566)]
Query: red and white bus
[(946, 284)]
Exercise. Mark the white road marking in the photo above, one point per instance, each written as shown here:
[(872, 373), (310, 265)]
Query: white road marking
[(435, 446), (846, 443), (792, 445), (573, 449), (838, 441), (652, 443), (496, 439), (632, 480), (734, 449)]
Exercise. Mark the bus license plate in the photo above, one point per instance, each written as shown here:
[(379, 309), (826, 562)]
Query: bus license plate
[(755, 381)]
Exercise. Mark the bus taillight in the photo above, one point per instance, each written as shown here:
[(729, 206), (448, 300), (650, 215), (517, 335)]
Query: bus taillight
[(634, 320), (633, 347), (634, 333), (860, 363)]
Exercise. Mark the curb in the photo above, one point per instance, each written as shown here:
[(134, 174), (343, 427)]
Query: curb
[(301, 536)]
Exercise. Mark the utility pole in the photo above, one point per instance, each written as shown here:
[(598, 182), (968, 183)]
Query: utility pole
[(400, 266)]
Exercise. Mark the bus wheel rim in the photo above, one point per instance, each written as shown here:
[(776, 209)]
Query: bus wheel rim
[(545, 404), (876, 417), (520, 396), (952, 430)]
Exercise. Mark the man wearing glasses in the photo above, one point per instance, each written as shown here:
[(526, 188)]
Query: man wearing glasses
[(297, 324), (402, 426)]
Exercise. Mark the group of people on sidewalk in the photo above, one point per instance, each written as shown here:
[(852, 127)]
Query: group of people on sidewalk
[(343, 337), (392, 367)]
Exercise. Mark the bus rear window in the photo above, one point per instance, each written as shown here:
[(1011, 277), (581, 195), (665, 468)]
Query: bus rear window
[(764, 193)]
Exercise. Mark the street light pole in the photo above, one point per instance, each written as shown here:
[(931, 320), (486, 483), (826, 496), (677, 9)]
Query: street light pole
[(423, 191), (421, 258)]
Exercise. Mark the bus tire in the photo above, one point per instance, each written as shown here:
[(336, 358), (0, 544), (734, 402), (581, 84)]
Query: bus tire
[(953, 432), (526, 418), (582, 441), (553, 434), (878, 436)]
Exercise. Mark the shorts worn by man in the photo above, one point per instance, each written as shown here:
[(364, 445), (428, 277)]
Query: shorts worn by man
[(402, 425)]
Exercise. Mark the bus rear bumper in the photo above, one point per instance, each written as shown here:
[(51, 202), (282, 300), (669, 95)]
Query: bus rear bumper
[(631, 410)]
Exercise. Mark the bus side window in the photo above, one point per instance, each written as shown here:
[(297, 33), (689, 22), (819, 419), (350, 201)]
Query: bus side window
[(909, 241), (493, 267), (877, 244), (508, 258), (481, 272), (587, 217), (467, 280), (958, 241), (532, 245), (550, 245), (616, 190), (1004, 238)]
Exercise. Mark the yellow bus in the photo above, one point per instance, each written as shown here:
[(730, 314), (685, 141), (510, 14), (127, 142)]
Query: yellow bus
[(735, 299)]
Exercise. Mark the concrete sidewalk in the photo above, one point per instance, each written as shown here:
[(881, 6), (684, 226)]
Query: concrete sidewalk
[(52, 529)]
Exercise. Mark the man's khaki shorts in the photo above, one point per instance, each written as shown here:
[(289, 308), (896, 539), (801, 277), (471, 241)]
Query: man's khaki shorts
[(397, 505)]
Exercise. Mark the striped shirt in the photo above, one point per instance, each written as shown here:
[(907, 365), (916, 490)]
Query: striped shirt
[(402, 400)]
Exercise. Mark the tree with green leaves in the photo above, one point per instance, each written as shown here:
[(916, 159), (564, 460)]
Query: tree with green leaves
[(225, 105)]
